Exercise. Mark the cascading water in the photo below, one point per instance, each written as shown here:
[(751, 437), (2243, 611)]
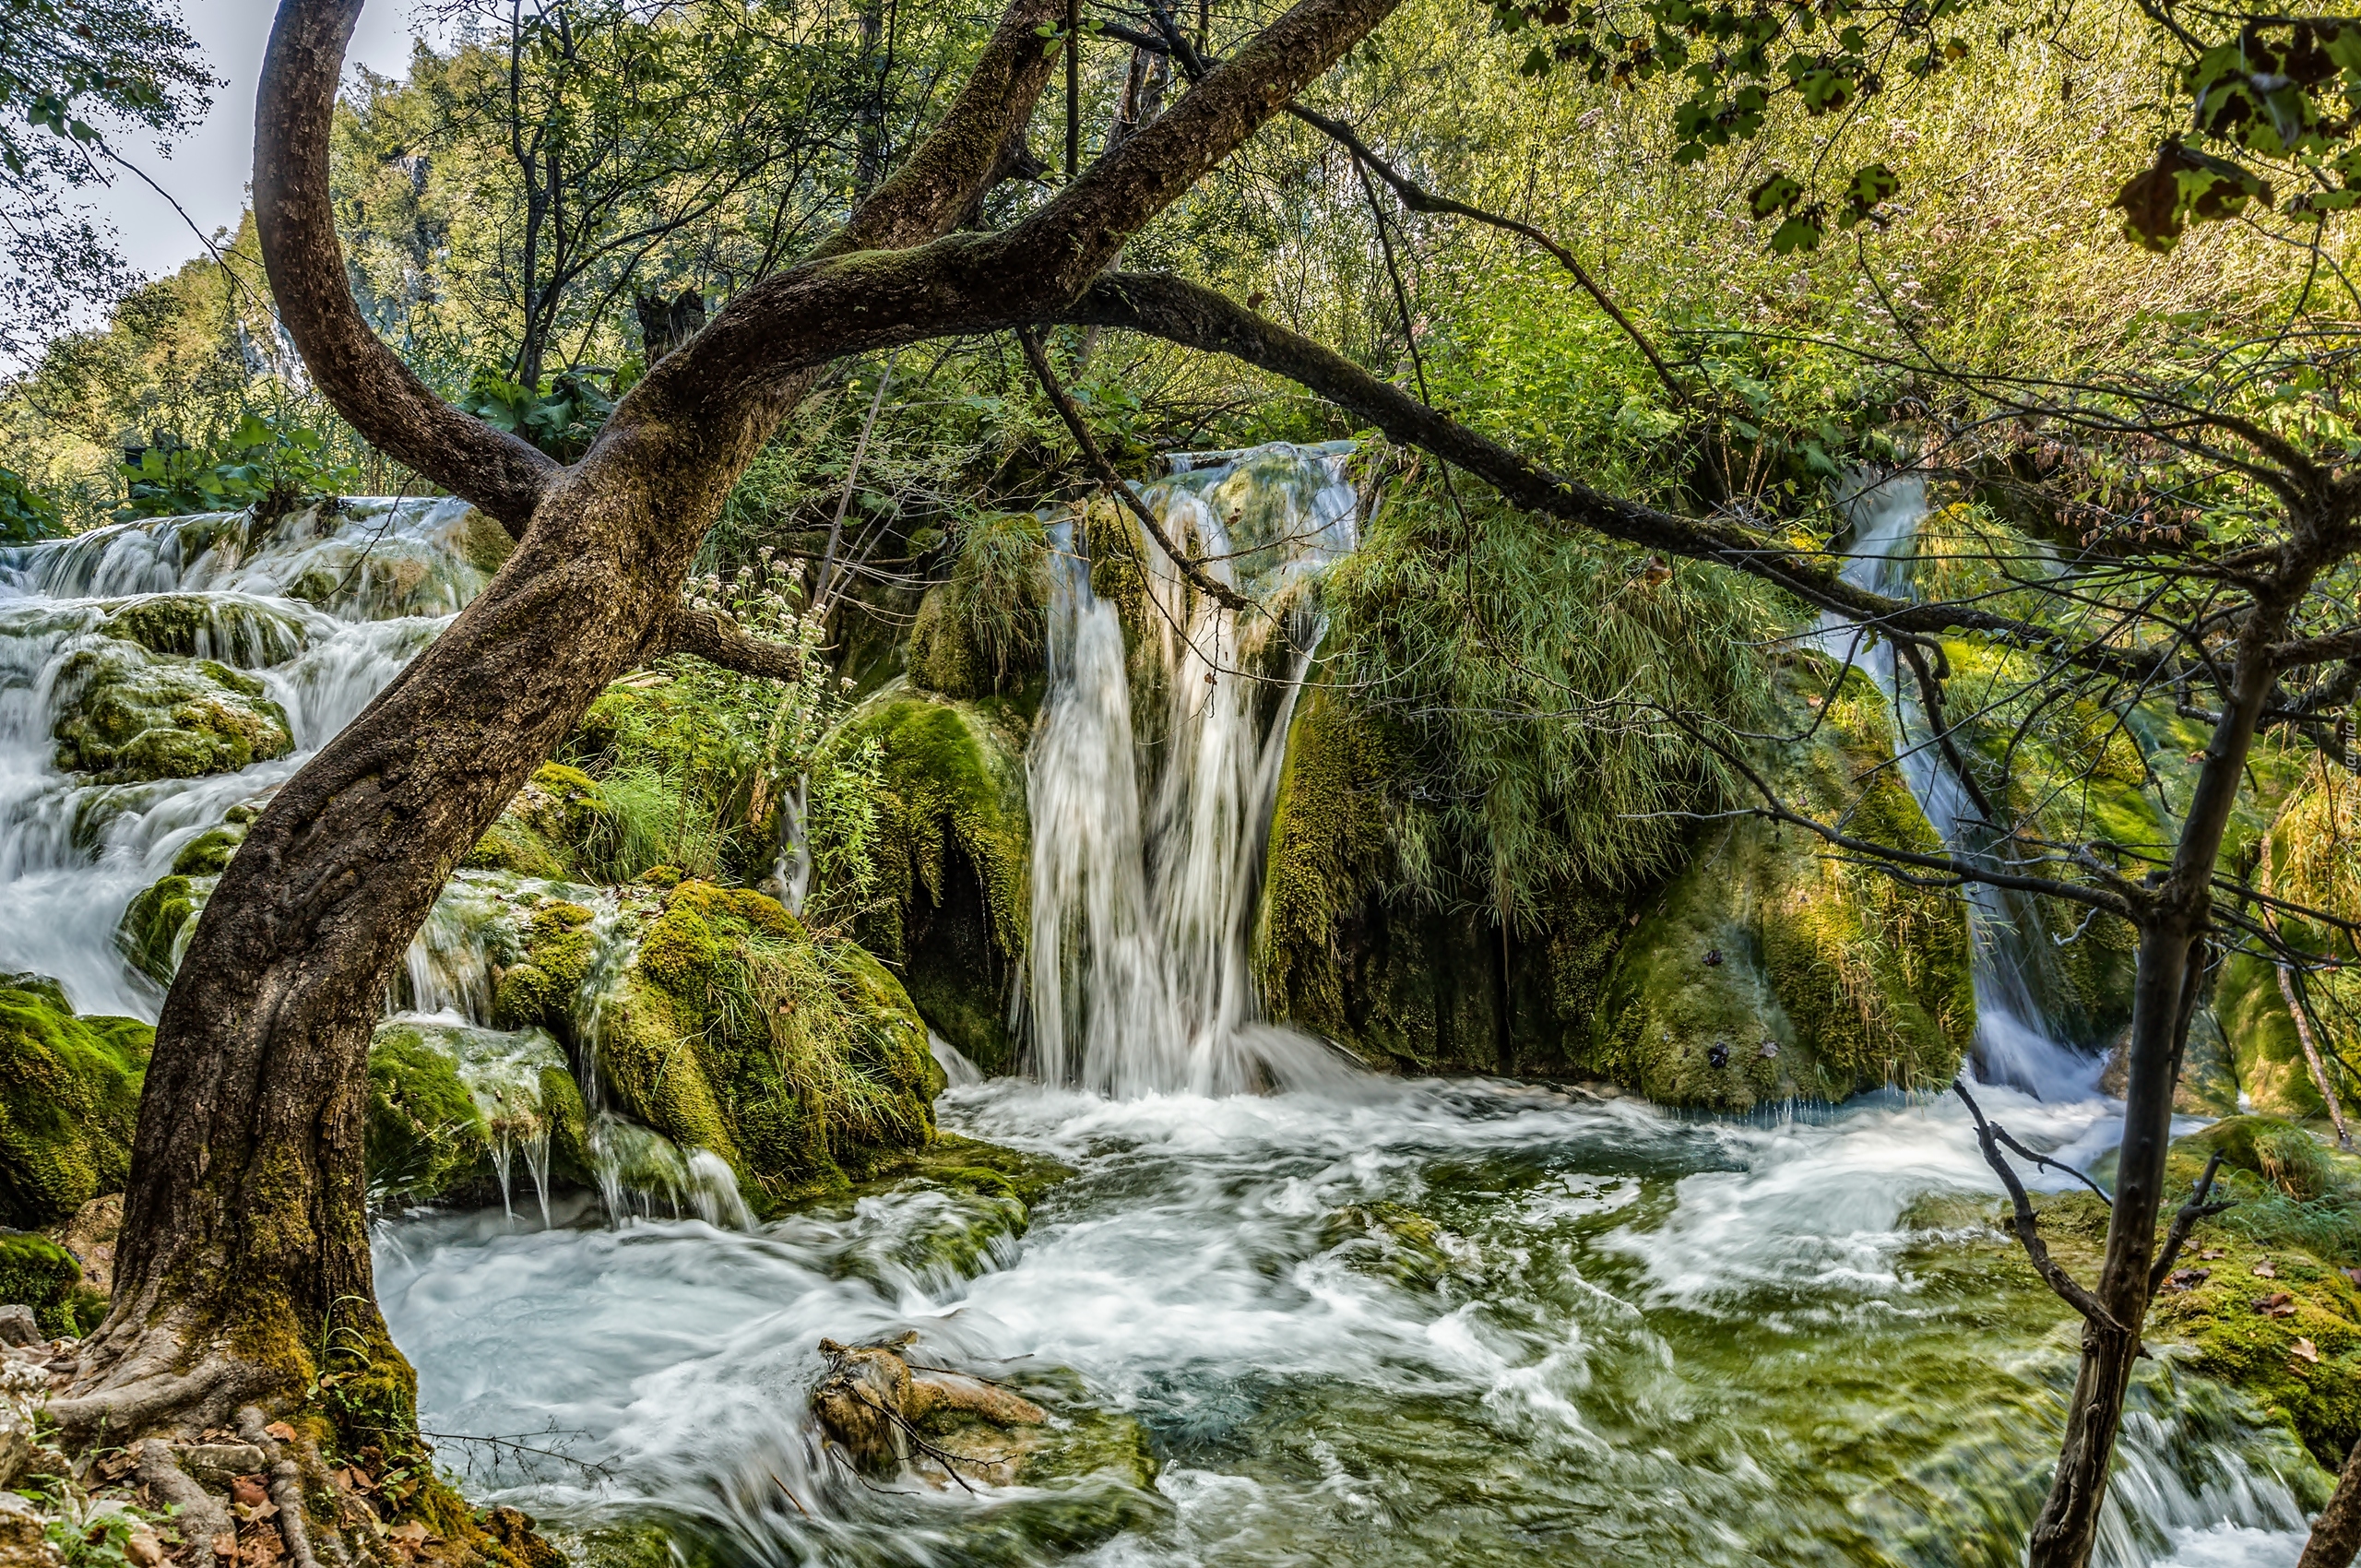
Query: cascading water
[(2013, 1043), (317, 610), (1144, 889), (1370, 1321), (322, 609)]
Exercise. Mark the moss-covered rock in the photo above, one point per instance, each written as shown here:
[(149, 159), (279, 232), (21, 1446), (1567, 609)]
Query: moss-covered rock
[(36, 1272), (249, 634), (954, 860), (550, 829), (450, 1105), (70, 1102), (717, 1021), (126, 714)]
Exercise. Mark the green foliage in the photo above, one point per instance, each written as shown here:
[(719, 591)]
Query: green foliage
[(989, 621), (1521, 675), (26, 515), (69, 73), (560, 416), (70, 1102), (264, 461)]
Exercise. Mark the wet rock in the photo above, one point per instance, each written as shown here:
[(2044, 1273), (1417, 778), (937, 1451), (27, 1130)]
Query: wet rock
[(70, 1102), (553, 828), (448, 1101), (126, 714), (1387, 1238), (249, 634), (886, 1414)]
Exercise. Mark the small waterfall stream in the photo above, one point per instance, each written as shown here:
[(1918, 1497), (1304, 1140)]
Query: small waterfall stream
[(1147, 860), (2013, 1043)]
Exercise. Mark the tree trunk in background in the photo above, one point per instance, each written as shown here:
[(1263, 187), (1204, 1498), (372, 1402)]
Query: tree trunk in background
[(665, 325)]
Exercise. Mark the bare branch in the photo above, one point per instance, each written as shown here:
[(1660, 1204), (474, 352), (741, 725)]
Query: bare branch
[(2028, 1226), (1204, 582), (2184, 1221)]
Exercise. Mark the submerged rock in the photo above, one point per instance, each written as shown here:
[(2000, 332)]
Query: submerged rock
[(70, 1102), (124, 713), (955, 860), (249, 634), (889, 1416)]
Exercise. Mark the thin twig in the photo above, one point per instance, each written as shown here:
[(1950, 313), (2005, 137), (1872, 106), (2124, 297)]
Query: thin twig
[(1204, 581), (2028, 1231), (2195, 1209)]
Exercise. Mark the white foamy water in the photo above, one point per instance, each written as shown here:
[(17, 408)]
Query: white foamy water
[(1643, 1338), (376, 580), (1147, 868)]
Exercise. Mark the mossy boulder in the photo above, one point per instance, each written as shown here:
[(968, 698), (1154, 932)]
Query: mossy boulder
[(126, 714), (549, 830), (2267, 1054), (984, 630), (1770, 969), (728, 1028), (955, 860), (36, 1272), (249, 634), (449, 1105), (70, 1102)]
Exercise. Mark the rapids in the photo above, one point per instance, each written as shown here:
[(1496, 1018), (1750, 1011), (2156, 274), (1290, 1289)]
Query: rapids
[(1356, 1320), (1645, 1339)]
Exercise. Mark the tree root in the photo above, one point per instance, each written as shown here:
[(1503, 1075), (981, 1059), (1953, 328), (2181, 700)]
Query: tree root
[(286, 1486), (201, 1516)]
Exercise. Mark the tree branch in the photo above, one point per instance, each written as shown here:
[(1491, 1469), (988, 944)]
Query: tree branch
[(716, 639), (1196, 317), (2195, 1209), (295, 220), (1201, 581), (2028, 1227)]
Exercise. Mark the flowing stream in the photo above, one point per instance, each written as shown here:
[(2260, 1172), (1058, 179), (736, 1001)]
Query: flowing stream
[(1356, 1320)]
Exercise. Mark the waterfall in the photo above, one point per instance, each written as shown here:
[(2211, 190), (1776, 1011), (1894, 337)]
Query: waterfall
[(2014, 1043), (322, 607), (1147, 860)]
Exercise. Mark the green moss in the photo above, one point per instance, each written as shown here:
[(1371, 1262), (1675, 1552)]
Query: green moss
[(158, 922), (209, 853), (954, 861), (36, 1272), (985, 629), (126, 714), (425, 1135), (971, 1165), (1808, 976), (1327, 846), (2266, 1052), (70, 1102), (550, 829), (244, 630), (444, 1096)]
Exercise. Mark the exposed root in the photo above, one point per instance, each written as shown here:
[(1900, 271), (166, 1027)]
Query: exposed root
[(201, 1516), (286, 1487), (138, 1382)]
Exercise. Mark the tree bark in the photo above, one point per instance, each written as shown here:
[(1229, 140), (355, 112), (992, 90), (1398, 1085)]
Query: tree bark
[(2336, 1534)]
